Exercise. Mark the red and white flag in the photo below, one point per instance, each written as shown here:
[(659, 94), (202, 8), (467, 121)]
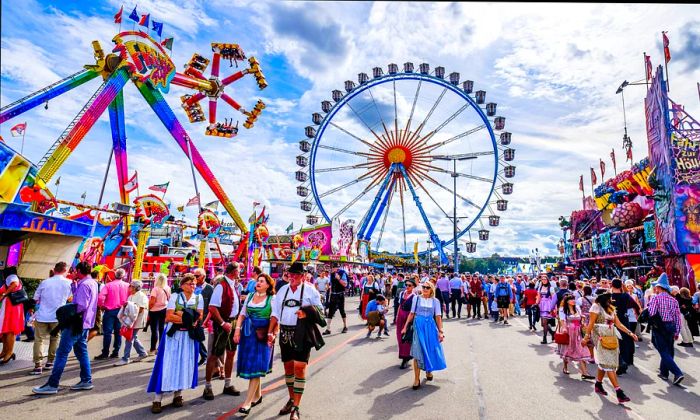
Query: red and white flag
[(118, 16), (667, 52), (612, 157), (18, 130), (580, 183), (602, 169), (255, 204), (594, 178), (194, 201), (132, 183), (160, 187)]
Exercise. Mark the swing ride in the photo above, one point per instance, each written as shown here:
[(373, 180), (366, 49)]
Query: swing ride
[(138, 58), (385, 137)]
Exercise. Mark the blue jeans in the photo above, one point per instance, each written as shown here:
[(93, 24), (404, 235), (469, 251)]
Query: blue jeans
[(77, 342), (136, 344), (111, 325), (517, 304), (663, 341)]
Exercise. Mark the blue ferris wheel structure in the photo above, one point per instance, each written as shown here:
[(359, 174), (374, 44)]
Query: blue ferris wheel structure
[(366, 151)]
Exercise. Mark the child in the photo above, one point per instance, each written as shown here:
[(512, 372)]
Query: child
[(375, 313)]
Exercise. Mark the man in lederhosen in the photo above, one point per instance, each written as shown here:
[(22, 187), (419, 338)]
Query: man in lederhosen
[(286, 309), (223, 307)]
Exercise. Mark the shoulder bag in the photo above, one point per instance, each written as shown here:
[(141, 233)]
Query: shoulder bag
[(18, 296), (561, 337)]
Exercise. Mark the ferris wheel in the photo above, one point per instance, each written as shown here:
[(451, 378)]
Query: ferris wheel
[(411, 156)]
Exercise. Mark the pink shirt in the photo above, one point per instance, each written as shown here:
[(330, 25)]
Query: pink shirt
[(162, 296), (113, 295)]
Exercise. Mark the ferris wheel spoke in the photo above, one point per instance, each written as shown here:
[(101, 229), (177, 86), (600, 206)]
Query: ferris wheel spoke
[(402, 187), (451, 191), (430, 113), (344, 168), (365, 142), (386, 214), (437, 129), (336, 189), (434, 146), (349, 152), (420, 184), (379, 139), (413, 107), (445, 171)]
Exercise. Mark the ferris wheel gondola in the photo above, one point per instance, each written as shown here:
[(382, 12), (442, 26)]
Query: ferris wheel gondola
[(400, 137)]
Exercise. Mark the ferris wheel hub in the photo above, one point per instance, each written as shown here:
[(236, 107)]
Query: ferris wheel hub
[(396, 155)]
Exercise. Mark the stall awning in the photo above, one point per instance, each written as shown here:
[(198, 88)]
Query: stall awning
[(16, 220)]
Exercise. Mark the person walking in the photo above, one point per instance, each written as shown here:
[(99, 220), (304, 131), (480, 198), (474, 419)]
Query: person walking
[(336, 302), (291, 307), (400, 287), (74, 336), (113, 296), (175, 367), (456, 295), (157, 303), (405, 303), (204, 289), (601, 329), (503, 294), (426, 347), (623, 303), (370, 289), (546, 301), (531, 308), (688, 324), (51, 294), (133, 316), (11, 314), (442, 288), (223, 307), (665, 322), (569, 323), (476, 292), (254, 350)]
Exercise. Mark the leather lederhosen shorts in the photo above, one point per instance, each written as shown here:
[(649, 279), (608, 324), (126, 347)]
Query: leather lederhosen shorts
[(223, 341), (288, 348)]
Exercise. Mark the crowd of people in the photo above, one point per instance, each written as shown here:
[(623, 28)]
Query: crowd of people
[(230, 321)]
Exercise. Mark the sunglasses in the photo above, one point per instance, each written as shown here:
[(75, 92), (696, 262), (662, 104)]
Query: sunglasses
[(426, 287)]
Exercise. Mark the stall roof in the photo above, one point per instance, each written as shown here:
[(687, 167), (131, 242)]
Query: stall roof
[(16, 220)]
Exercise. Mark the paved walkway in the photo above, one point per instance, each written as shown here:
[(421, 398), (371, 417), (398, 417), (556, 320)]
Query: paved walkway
[(494, 372)]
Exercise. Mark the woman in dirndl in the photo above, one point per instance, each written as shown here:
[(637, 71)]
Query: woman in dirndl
[(11, 316), (405, 302), (570, 322), (175, 367), (426, 348), (547, 303), (370, 289), (254, 353), (603, 329)]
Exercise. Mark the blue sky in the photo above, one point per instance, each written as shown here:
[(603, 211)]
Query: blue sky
[(553, 70)]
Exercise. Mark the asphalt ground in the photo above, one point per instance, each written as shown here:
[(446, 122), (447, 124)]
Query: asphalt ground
[(494, 371)]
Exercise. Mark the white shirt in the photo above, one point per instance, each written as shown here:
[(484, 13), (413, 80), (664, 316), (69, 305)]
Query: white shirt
[(51, 294), (288, 317), (218, 294), (141, 301)]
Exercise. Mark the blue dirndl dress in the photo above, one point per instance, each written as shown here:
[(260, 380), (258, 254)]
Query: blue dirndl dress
[(175, 367), (426, 348), (254, 356)]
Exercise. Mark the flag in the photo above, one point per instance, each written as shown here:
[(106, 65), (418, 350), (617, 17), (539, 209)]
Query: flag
[(168, 43), (612, 157), (134, 15), (667, 52), (58, 181), (214, 205), (194, 201), (580, 183), (160, 187), (255, 204), (415, 252), (252, 218), (132, 183), (594, 178), (19, 129), (602, 169), (118, 16), (290, 228), (84, 196), (647, 63), (144, 20), (629, 154), (157, 27), (181, 209)]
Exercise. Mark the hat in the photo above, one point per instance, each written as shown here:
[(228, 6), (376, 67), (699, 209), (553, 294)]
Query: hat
[(662, 282), (296, 268)]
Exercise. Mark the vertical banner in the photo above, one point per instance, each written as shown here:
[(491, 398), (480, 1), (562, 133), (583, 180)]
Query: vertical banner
[(415, 252)]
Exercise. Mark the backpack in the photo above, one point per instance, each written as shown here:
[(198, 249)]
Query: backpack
[(502, 290)]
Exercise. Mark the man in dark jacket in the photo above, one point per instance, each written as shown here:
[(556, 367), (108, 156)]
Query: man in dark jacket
[(205, 289)]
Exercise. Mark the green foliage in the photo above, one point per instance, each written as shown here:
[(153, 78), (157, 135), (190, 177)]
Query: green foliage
[(491, 264), (30, 285)]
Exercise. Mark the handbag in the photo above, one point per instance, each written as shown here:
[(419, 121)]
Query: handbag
[(609, 342), (126, 332), (561, 338), (261, 334), (407, 337), (18, 296)]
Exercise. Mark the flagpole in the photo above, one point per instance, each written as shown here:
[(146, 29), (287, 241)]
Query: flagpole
[(646, 74), (583, 195), (102, 191), (194, 178)]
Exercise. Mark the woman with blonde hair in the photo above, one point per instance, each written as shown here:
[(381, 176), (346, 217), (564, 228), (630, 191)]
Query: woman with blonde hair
[(370, 289), (158, 300), (426, 346)]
